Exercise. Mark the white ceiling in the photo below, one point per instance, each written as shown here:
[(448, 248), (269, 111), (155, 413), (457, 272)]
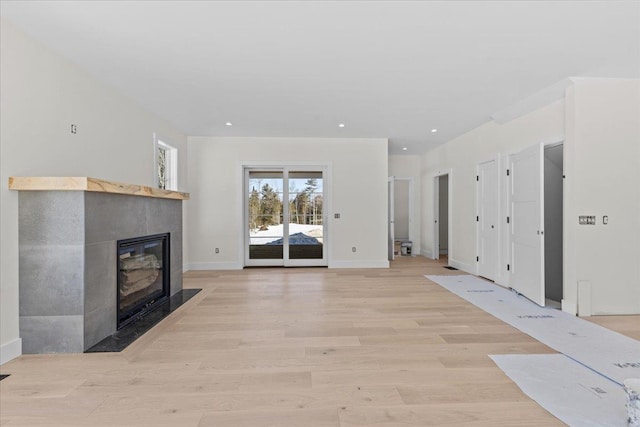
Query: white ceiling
[(299, 68)]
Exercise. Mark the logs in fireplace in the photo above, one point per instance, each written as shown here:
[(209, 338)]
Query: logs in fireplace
[(143, 276)]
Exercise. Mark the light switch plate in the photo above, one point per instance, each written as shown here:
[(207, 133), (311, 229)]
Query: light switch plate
[(587, 220)]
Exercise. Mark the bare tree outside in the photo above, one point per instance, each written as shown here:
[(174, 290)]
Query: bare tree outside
[(162, 168)]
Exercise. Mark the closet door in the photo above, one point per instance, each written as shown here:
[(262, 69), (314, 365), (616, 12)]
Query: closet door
[(488, 235), (526, 223)]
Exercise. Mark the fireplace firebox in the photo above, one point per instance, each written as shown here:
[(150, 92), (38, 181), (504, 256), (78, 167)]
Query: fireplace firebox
[(143, 276)]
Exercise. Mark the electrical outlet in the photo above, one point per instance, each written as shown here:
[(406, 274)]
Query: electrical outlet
[(353, 249), (217, 250), (336, 216), (74, 129)]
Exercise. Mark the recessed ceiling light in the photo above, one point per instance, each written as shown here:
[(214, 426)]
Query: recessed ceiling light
[(229, 124), (434, 130), (341, 125), (404, 148)]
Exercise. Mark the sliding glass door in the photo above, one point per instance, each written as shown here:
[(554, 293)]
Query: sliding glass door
[(265, 213), (283, 233), (305, 216)]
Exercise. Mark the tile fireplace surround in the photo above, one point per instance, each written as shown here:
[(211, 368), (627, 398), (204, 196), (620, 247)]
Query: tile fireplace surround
[(68, 229)]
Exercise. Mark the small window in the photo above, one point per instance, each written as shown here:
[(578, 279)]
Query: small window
[(166, 159)]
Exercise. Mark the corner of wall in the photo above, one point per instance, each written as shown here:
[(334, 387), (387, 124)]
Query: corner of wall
[(427, 253), (467, 268), (10, 350)]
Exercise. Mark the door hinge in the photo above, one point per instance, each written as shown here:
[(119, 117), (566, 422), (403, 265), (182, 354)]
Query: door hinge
[(507, 172), (478, 259), (507, 220), (477, 218), (477, 178), (508, 267)]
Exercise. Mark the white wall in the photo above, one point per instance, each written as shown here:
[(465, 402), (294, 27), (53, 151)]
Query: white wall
[(460, 157), (42, 94), (357, 190), (602, 168), (408, 166)]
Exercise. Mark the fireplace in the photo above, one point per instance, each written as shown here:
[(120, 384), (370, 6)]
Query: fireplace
[(143, 276), (69, 259)]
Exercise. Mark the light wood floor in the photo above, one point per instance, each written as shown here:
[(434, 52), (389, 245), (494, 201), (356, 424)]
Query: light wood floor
[(292, 347)]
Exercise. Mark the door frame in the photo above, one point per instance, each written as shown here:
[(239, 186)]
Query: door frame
[(498, 159), (436, 214), (285, 167)]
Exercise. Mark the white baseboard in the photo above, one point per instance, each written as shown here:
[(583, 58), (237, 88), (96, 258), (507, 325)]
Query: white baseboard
[(10, 350), (359, 264), (213, 266), (584, 298), (570, 307), (614, 313), (503, 279), (501, 282), (185, 268), (462, 266), (236, 266), (427, 253)]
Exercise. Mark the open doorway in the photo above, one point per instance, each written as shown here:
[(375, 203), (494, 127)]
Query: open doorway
[(390, 220), (442, 216), (553, 211), (402, 209), (400, 218)]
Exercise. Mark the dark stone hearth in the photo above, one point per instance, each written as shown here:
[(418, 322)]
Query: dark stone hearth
[(128, 334), (3, 376)]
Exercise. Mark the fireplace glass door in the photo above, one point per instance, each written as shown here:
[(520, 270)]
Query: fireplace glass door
[(143, 276)]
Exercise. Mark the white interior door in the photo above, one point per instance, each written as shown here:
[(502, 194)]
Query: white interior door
[(526, 223), (488, 235), (391, 226)]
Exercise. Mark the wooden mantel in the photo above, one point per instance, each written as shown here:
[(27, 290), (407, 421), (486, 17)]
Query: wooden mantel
[(37, 183)]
